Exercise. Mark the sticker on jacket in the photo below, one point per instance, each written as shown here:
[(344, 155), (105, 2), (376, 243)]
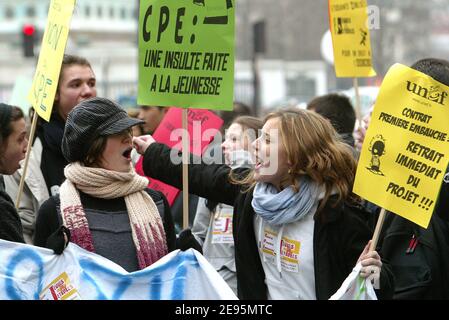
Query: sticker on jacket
[(60, 289), (222, 226), (289, 250)]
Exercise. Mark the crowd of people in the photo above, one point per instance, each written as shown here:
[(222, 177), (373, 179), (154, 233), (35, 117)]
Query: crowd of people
[(277, 218)]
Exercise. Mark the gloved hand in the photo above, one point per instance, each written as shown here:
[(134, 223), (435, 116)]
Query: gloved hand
[(186, 240), (59, 240)]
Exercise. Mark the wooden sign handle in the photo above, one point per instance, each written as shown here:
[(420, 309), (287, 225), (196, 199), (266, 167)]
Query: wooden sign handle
[(358, 108), (27, 158), (185, 170), (380, 222)]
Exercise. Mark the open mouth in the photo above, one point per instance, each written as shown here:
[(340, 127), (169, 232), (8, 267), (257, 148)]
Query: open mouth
[(258, 163), (127, 153)]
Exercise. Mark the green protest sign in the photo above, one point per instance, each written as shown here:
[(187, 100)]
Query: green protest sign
[(186, 53)]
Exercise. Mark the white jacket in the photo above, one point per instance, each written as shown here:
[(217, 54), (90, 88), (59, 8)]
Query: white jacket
[(218, 244)]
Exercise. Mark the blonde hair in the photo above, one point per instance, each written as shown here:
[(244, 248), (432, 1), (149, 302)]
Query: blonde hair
[(313, 149)]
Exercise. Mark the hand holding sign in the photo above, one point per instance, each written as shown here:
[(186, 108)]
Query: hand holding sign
[(371, 265)]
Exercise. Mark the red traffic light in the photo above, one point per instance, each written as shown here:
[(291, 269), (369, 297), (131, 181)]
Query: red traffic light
[(28, 30), (29, 34)]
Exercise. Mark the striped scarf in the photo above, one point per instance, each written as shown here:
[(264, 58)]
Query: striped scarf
[(146, 224)]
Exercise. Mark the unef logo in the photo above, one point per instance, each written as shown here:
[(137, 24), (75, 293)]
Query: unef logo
[(433, 93)]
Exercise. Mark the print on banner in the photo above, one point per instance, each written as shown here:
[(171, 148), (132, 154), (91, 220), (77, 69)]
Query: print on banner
[(60, 289), (186, 53), (405, 151)]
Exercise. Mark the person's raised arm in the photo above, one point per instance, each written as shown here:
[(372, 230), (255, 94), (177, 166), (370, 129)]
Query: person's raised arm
[(210, 181)]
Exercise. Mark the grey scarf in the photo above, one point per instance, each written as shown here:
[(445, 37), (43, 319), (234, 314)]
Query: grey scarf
[(277, 208)]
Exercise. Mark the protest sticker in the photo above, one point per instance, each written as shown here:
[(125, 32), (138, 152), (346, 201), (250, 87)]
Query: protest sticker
[(202, 125), (45, 82), (405, 151), (186, 53), (60, 289), (222, 225), (350, 38)]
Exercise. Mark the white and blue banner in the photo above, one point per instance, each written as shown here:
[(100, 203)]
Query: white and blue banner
[(31, 273)]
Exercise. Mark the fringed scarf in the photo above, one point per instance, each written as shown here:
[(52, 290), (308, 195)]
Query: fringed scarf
[(146, 224)]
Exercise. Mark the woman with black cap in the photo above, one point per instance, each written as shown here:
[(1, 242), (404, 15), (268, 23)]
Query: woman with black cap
[(105, 205), (13, 143)]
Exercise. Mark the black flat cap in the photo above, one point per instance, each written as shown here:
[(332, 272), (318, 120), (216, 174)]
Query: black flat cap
[(89, 120)]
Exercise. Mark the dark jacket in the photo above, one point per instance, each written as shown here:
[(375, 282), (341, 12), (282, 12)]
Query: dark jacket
[(418, 257), (10, 225), (442, 205), (109, 225), (52, 161), (338, 241)]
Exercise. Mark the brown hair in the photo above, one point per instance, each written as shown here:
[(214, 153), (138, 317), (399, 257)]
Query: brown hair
[(71, 60), (5, 131), (250, 126), (67, 61), (337, 109), (248, 122), (238, 109), (314, 149), (93, 156), (96, 149)]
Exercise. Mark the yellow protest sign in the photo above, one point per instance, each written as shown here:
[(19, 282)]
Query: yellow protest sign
[(45, 82), (406, 150), (350, 38)]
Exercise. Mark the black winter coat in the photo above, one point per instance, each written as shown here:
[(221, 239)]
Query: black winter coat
[(10, 225), (418, 257)]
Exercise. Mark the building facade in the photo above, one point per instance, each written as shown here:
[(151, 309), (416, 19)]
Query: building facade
[(292, 68)]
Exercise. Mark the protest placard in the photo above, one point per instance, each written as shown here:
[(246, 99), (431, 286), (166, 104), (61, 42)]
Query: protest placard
[(45, 82), (405, 151), (350, 38), (46, 78), (186, 54)]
